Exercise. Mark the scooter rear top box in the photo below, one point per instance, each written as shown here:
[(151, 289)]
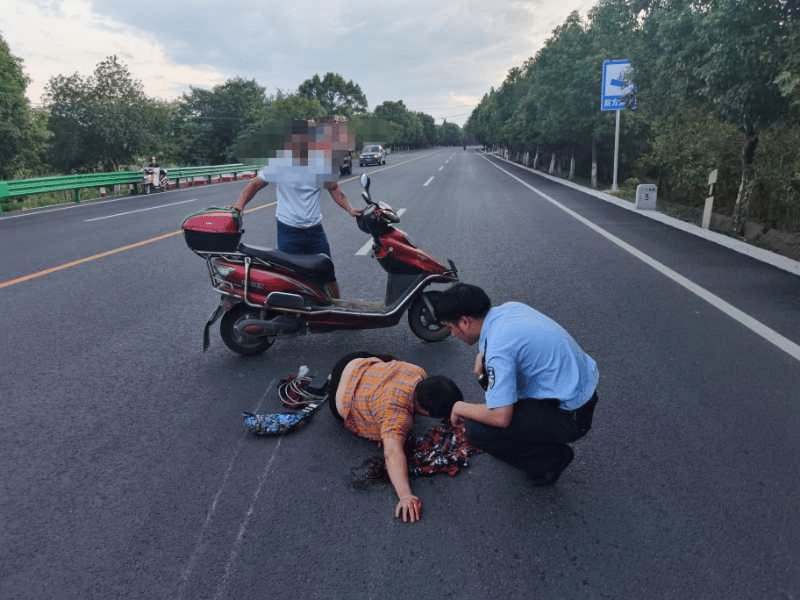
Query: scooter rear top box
[(213, 230)]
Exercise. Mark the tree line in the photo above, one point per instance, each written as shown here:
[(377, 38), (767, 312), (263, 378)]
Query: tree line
[(717, 87), (105, 122)]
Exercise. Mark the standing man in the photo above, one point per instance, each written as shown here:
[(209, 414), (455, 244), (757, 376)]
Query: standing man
[(299, 174), (540, 385)]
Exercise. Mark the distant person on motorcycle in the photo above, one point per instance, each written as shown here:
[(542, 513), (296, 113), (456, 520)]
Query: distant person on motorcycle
[(376, 397), (540, 385), (299, 174)]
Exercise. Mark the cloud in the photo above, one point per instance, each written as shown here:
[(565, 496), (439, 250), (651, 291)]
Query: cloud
[(439, 58), (60, 38)]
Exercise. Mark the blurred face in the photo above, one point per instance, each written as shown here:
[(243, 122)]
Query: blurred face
[(298, 144)]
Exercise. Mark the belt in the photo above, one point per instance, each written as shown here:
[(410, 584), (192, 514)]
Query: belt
[(586, 405)]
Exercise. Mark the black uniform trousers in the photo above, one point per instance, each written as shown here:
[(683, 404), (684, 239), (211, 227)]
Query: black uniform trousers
[(537, 438)]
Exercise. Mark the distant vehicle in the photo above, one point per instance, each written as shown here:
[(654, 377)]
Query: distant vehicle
[(154, 179), (372, 155), (346, 166)]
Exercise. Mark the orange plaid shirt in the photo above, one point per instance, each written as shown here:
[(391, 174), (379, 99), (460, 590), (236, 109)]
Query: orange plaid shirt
[(378, 398)]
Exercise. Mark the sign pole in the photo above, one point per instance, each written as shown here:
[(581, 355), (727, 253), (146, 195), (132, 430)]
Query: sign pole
[(614, 186), (616, 86)]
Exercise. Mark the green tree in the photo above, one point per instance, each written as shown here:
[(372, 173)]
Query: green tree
[(564, 88), (14, 110), (209, 122), (406, 129), (31, 160), (450, 134), (97, 122), (480, 124), (730, 56), (429, 133), (262, 138), (337, 96)]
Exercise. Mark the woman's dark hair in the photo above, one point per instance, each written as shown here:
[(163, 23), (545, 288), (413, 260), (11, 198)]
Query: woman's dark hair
[(461, 300), (437, 394)]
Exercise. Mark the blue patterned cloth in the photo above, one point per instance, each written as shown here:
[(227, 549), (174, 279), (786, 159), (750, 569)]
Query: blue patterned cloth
[(273, 423)]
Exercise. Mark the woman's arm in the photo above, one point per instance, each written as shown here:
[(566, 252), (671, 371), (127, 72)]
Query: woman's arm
[(409, 507)]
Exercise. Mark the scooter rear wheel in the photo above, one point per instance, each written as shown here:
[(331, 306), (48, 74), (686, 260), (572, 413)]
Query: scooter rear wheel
[(423, 323), (241, 343)]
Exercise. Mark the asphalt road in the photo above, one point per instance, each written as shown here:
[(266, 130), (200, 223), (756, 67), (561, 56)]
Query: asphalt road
[(126, 474)]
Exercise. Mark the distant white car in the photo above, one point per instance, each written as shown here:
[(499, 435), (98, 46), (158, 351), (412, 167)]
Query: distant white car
[(373, 154)]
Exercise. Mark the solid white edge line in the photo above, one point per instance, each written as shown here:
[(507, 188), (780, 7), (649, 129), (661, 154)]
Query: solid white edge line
[(766, 256), (770, 335)]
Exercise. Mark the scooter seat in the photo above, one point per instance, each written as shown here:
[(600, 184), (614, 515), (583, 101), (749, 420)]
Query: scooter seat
[(315, 266)]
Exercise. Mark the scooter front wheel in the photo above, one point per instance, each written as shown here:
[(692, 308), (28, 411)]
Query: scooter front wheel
[(241, 343), (423, 323)]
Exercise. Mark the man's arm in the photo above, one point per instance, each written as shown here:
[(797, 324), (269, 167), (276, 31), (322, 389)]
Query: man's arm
[(250, 190), (338, 196), (409, 507), (496, 417)]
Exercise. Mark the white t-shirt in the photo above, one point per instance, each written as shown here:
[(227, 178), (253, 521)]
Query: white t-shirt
[(298, 187)]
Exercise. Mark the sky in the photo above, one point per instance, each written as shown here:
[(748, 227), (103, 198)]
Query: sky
[(438, 57)]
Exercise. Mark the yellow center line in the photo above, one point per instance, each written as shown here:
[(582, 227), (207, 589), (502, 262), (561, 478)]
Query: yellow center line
[(68, 265), (74, 263)]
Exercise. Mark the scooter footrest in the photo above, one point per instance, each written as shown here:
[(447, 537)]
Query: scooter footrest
[(286, 300), (357, 304)]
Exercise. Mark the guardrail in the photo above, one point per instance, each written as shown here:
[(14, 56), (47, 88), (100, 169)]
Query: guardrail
[(41, 185)]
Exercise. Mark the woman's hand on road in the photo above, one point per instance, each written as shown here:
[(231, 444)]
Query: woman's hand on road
[(409, 509)]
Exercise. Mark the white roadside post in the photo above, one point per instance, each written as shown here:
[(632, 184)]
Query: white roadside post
[(709, 207), (646, 196)]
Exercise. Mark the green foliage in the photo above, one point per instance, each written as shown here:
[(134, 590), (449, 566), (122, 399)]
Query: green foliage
[(777, 178), (335, 95), (684, 149), (711, 75), (31, 160), (262, 138), (450, 134), (208, 122), (15, 118), (96, 122), (405, 127), (105, 121)]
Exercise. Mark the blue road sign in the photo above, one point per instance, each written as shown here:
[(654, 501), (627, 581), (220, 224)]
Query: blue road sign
[(617, 83)]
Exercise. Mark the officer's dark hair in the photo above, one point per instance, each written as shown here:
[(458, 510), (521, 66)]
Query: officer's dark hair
[(437, 394), (461, 300)]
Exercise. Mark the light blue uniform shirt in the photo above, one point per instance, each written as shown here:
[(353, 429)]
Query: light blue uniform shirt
[(528, 355)]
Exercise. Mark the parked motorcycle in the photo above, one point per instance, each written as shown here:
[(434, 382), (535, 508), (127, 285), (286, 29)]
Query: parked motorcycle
[(154, 179), (267, 293)]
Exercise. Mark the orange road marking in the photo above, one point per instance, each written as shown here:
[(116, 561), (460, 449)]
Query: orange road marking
[(107, 253)]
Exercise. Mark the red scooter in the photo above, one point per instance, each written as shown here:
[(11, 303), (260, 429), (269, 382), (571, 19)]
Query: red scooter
[(267, 293)]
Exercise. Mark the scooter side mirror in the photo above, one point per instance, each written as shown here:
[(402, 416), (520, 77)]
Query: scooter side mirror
[(365, 181), (365, 196)]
